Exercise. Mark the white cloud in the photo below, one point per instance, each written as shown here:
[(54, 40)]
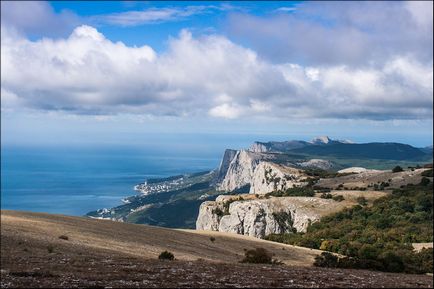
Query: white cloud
[(225, 111), (37, 17), (86, 73), (156, 15), (286, 9)]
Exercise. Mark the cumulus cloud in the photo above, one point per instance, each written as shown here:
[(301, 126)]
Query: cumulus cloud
[(37, 18), (86, 73)]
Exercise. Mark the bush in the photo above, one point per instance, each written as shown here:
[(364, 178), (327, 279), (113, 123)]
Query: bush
[(397, 169), (212, 239), (424, 181), (326, 259), (217, 211), (326, 196), (50, 248), (293, 192), (166, 255), (362, 201), (338, 198), (63, 237), (392, 262), (257, 256)]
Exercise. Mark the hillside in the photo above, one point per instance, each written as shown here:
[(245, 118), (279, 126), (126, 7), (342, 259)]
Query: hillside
[(386, 151), (379, 235), (101, 253)]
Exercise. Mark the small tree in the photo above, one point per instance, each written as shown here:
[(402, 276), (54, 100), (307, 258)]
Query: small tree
[(257, 256), (338, 198), (397, 169), (326, 259), (166, 255)]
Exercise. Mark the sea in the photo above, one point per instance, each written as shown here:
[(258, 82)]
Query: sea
[(76, 180)]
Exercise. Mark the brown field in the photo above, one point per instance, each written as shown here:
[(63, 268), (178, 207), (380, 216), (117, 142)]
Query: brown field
[(99, 253)]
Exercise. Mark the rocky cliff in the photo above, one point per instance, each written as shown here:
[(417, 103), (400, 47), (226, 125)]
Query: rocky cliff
[(258, 147), (277, 147), (261, 217), (269, 177), (228, 156), (240, 170)]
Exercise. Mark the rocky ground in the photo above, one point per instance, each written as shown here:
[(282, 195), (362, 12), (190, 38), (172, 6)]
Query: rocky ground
[(94, 270)]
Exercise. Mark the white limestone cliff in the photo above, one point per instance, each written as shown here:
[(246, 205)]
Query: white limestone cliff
[(258, 147), (261, 217), (269, 177), (240, 171)]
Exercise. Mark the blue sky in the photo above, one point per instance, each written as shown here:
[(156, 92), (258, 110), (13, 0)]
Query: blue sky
[(78, 72)]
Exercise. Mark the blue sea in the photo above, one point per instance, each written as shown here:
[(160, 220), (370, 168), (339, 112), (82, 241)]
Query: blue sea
[(76, 180)]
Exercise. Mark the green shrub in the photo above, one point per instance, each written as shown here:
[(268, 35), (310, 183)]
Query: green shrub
[(64, 237), (326, 196), (362, 201), (294, 192), (217, 211), (259, 256), (392, 262), (338, 198), (397, 169), (326, 259), (166, 255), (424, 181)]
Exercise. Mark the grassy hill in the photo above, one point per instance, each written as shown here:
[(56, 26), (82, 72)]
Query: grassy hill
[(43, 250)]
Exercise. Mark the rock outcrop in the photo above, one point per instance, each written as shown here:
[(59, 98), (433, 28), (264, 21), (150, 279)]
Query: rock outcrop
[(277, 147), (228, 156), (240, 170), (258, 147), (269, 177), (318, 164), (261, 217), (357, 170)]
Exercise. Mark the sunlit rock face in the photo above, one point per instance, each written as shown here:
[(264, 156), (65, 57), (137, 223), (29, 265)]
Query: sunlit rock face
[(261, 217)]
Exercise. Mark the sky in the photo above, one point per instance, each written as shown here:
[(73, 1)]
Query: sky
[(78, 72)]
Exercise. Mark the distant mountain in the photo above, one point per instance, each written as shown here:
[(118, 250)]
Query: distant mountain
[(285, 146), (386, 151), (324, 147), (427, 149)]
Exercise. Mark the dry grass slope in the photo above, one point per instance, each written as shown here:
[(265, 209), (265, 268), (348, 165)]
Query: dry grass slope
[(43, 250), (142, 241)]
